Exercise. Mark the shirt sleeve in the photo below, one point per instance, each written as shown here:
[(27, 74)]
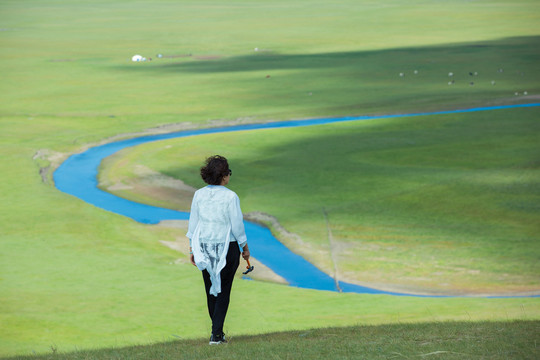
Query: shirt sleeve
[(237, 222), (193, 218)]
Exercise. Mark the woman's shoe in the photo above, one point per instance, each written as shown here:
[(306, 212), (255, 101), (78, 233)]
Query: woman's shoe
[(217, 339)]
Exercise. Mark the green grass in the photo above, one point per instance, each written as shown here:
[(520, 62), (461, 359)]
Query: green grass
[(347, 54), (446, 340), (75, 277)]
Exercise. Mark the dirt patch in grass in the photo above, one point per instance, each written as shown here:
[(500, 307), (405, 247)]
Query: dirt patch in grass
[(148, 186), (48, 160)]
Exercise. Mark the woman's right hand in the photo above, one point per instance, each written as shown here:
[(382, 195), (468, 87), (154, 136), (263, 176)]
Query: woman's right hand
[(192, 259)]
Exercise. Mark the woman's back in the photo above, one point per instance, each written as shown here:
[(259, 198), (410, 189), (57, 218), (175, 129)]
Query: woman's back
[(213, 206)]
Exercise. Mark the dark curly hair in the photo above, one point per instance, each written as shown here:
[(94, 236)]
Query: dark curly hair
[(215, 169)]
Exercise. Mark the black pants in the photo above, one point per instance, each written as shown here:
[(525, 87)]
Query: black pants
[(217, 306)]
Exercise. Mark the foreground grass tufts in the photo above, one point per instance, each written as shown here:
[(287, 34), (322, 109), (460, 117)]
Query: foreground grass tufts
[(440, 340)]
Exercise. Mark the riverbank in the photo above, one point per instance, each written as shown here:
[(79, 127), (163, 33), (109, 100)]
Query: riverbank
[(296, 270)]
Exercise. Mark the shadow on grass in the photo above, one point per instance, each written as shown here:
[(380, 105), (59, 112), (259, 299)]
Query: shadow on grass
[(474, 55), (446, 340)]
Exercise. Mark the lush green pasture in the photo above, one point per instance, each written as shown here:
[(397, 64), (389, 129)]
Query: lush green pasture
[(67, 63), (74, 277), (442, 340)]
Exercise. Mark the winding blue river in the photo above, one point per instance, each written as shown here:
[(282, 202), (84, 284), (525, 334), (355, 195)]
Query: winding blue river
[(77, 176)]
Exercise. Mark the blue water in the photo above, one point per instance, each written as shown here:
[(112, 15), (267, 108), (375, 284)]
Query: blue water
[(77, 176)]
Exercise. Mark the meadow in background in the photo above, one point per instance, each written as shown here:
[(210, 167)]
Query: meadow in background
[(76, 277)]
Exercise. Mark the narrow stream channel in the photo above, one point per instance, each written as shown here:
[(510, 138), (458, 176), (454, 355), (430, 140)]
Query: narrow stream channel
[(77, 176)]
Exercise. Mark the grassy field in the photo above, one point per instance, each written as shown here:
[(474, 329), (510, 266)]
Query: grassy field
[(75, 277), (451, 340)]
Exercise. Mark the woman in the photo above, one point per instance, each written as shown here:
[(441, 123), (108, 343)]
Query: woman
[(216, 235)]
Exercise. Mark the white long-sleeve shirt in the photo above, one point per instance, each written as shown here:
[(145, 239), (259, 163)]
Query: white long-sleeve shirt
[(214, 221), (216, 211)]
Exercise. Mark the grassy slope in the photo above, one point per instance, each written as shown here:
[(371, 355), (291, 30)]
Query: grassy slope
[(76, 276), (452, 340)]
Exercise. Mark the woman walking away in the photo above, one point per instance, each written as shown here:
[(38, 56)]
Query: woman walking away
[(216, 236)]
